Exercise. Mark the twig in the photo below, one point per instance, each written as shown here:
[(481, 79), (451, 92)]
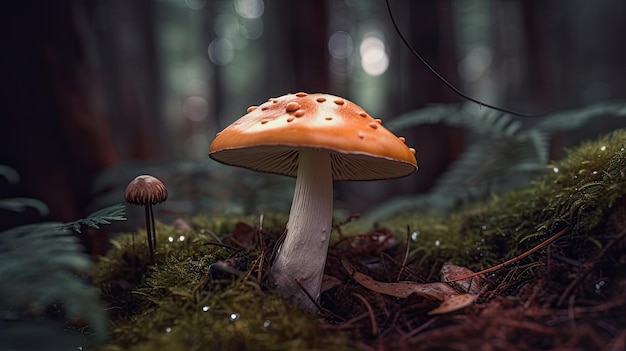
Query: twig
[(370, 310), (589, 266), (515, 259), (406, 252), (306, 292)]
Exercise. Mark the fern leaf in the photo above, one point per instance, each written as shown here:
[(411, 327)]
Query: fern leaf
[(483, 122), (101, 217), (575, 119), (19, 204), (9, 174), (39, 264)]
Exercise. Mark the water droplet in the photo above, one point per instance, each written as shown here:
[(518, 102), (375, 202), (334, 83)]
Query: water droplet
[(437, 243), (602, 147), (206, 308), (181, 238), (266, 323), (415, 235), (555, 169), (170, 239), (168, 330), (594, 172), (599, 285), (234, 316)]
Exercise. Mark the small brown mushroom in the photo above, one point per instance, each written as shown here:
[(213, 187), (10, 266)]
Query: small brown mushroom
[(147, 190)]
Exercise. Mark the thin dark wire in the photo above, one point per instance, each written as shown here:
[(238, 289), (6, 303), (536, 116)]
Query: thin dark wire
[(440, 77)]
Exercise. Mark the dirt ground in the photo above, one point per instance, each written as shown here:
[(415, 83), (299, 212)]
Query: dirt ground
[(554, 299)]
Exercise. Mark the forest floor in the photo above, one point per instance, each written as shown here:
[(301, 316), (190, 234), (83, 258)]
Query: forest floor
[(548, 302), (563, 287)]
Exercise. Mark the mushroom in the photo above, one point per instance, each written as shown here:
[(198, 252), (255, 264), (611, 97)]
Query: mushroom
[(147, 190), (316, 138)]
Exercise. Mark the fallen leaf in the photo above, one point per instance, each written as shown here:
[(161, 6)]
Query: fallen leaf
[(438, 291), (450, 272), (454, 303), (180, 224), (329, 282), (243, 235)]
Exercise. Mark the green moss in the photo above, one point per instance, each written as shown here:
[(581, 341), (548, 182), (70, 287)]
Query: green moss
[(194, 312), (577, 192), (181, 303), (178, 304)]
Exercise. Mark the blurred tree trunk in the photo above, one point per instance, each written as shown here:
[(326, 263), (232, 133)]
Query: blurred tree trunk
[(296, 39), (126, 32), (57, 132), (431, 34), (427, 25)]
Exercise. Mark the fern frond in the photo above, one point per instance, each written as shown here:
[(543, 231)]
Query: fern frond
[(483, 122), (500, 154), (9, 174), (432, 114), (19, 204), (40, 264), (575, 119), (101, 217)]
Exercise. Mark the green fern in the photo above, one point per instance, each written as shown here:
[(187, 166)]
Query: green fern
[(101, 217), (19, 204), (9, 174), (502, 152), (575, 119), (484, 122), (41, 264)]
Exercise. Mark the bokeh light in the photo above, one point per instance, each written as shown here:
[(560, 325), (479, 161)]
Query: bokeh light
[(251, 28), (340, 45), (195, 108), (195, 4), (226, 26), (374, 58), (221, 51), (249, 8), (475, 63)]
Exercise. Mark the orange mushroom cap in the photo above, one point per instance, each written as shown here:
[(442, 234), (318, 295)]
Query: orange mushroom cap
[(268, 138)]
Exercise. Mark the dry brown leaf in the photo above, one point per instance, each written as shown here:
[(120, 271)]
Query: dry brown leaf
[(438, 291), (454, 303), (450, 272)]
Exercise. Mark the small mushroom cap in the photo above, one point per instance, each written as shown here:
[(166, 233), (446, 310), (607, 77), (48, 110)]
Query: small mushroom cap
[(145, 190), (268, 138)]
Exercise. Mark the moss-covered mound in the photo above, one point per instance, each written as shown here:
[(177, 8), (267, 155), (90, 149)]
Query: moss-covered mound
[(208, 287)]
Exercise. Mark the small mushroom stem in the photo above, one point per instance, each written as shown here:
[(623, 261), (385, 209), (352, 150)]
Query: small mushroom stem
[(150, 231), (302, 255)]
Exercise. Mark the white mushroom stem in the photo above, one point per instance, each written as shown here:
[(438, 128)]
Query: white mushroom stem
[(302, 255)]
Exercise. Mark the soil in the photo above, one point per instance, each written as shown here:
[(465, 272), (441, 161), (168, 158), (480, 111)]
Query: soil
[(558, 298)]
